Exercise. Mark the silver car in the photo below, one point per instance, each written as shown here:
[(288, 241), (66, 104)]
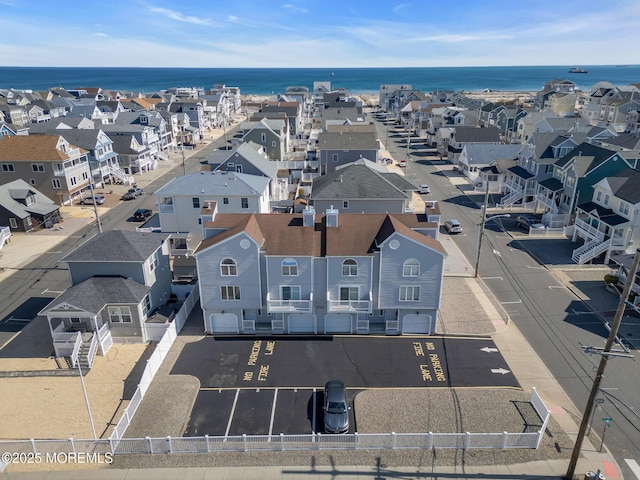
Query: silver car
[(453, 226), (336, 410)]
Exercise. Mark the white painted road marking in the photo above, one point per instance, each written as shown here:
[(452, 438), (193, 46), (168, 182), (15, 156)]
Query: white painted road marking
[(535, 268), (233, 409), (508, 303), (633, 465), (502, 371), (492, 278), (489, 349), (273, 410), (557, 286)]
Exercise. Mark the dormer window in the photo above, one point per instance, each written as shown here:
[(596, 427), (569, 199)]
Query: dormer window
[(30, 200), (144, 119)]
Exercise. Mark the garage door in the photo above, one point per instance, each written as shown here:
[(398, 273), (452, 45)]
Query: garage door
[(302, 323), (412, 324), (223, 323), (337, 323)]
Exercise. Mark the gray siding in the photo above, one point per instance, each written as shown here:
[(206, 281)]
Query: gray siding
[(275, 279), (361, 205), (429, 279), (80, 271), (248, 277), (335, 279)]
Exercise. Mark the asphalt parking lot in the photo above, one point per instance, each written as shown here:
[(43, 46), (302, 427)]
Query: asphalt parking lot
[(274, 385)]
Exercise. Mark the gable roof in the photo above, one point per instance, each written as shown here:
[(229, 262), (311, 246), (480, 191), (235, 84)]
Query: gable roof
[(117, 246), (585, 157), (357, 181), (248, 152), (30, 148), (284, 234), (484, 154), (348, 141)]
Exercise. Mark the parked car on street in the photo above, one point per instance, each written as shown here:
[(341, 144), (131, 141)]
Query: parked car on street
[(141, 214), (453, 226), (336, 411), (402, 163), (132, 193), (529, 222), (95, 199), (424, 189)]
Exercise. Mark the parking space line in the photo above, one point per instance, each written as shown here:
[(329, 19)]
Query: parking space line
[(273, 410), (313, 415), (233, 409)]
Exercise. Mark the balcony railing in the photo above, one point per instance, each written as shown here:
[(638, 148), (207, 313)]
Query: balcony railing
[(350, 305), (588, 229), (275, 305)]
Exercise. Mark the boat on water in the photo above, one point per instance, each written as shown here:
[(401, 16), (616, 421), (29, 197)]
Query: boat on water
[(578, 70)]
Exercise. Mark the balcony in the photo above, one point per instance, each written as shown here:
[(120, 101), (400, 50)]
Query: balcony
[(276, 305), (588, 230), (358, 306), (547, 202)]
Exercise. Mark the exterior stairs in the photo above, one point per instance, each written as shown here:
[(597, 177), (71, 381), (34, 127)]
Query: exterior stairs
[(512, 198), (121, 175), (5, 236), (590, 250), (88, 350)]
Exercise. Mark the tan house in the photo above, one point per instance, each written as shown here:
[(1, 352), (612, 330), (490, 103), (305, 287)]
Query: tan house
[(50, 163)]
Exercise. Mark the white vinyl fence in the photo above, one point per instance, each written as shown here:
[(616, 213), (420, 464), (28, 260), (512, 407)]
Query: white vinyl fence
[(317, 441), (154, 362)]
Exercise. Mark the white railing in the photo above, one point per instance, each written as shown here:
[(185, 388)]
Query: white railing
[(279, 306), (594, 249), (5, 235), (349, 305), (93, 348), (77, 346), (153, 364), (103, 331), (121, 175), (588, 229), (547, 202), (511, 198), (65, 344)]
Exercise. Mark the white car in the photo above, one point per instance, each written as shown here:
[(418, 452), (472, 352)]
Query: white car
[(424, 189), (453, 226)]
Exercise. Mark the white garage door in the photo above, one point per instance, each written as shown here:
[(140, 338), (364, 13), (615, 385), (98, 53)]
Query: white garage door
[(223, 323), (302, 323), (413, 324), (337, 323)]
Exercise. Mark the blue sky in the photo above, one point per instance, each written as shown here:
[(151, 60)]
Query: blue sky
[(301, 33)]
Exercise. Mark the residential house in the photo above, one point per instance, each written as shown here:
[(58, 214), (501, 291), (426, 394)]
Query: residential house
[(358, 188), (118, 278), (307, 273), (14, 114), (337, 148), (529, 182), (133, 156), (470, 135), (541, 122), (181, 199), (251, 159), (270, 134), (293, 114), (610, 106), (475, 157), (24, 208), (11, 129), (609, 223), (103, 160), (387, 90), (162, 134), (55, 167), (554, 87)]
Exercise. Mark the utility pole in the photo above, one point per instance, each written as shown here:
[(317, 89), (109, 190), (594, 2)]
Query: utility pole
[(631, 276), (95, 206), (482, 222)]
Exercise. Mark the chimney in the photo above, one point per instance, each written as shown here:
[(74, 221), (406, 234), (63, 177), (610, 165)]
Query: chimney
[(308, 217), (332, 216)]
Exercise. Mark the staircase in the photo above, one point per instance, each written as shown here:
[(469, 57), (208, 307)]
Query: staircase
[(590, 250), (120, 175), (5, 235), (163, 156), (88, 349), (512, 198)]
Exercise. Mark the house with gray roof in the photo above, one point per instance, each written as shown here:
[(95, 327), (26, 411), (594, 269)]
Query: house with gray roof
[(462, 135), (272, 134), (357, 188), (251, 159), (118, 278), (23, 208), (609, 223), (338, 148), (181, 200), (476, 156)]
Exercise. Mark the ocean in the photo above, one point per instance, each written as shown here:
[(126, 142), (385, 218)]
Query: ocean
[(267, 81)]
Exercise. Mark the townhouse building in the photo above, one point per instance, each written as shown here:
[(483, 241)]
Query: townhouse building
[(319, 273)]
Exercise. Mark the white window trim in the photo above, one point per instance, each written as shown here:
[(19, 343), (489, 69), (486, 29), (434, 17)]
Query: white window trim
[(413, 289), (233, 289), (231, 269)]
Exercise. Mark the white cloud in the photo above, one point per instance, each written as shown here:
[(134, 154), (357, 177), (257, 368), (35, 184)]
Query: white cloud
[(295, 9), (173, 15)]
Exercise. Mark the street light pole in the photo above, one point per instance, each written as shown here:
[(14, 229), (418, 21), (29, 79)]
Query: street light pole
[(613, 333)]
